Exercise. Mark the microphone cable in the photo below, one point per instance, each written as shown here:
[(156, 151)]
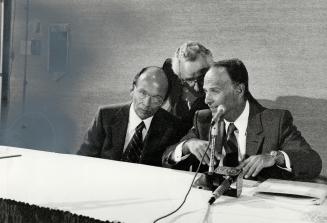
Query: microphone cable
[(189, 190)]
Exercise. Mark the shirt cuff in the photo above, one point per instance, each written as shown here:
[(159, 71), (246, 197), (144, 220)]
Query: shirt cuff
[(178, 153), (287, 162)]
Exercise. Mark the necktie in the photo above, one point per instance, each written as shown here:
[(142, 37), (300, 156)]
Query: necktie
[(134, 148), (231, 147)]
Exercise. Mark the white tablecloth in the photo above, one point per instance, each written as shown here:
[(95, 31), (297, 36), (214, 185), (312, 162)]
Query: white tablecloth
[(111, 190)]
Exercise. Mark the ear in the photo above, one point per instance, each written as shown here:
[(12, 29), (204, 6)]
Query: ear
[(132, 90), (240, 89), (175, 65)]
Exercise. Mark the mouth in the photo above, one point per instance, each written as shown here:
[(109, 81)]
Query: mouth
[(213, 108), (145, 111)]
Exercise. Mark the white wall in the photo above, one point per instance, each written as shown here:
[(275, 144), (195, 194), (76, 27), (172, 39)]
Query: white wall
[(282, 43)]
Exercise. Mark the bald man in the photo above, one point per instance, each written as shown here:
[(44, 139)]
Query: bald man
[(263, 142), (139, 131)]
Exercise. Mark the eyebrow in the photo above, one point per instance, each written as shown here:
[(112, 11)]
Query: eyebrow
[(141, 89), (213, 87), (192, 78)]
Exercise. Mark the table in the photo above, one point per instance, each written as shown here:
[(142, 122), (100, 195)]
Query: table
[(112, 190)]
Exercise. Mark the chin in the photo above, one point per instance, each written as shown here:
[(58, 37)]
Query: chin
[(144, 115), (213, 110)]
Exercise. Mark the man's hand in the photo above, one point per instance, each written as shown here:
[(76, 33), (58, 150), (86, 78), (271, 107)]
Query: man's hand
[(198, 147), (254, 164)]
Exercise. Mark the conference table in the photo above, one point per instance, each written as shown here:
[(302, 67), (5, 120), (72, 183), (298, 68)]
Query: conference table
[(126, 192)]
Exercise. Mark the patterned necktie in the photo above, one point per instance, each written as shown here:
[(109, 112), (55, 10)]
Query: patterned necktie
[(231, 147), (134, 148)]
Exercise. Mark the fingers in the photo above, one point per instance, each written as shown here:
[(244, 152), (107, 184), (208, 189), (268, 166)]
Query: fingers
[(198, 148), (218, 156), (253, 165), (243, 164), (246, 165), (255, 168), (206, 157)]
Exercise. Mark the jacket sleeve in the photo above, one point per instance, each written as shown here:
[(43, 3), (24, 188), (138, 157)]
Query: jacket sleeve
[(305, 162), (166, 158), (94, 138)]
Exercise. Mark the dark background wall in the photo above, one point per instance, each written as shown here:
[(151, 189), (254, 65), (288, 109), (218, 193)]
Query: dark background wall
[(282, 43)]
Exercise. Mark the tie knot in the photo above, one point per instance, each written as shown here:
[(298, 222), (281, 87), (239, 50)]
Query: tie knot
[(231, 129), (140, 127)]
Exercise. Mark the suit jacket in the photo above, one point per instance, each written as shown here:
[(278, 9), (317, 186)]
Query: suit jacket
[(106, 137), (179, 107), (267, 130)]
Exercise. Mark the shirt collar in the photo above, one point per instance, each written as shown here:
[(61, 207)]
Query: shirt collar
[(135, 120), (241, 122)]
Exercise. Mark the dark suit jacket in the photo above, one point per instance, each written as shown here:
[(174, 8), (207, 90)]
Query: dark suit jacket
[(267, 130), (179, 107), (106, 137)]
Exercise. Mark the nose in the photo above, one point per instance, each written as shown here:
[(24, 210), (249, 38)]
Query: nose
[(196, 86), (208, 98), (147, 101)]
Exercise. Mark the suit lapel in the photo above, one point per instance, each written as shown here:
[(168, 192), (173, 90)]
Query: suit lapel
[(156, 131), (254, 138), (119, 128)]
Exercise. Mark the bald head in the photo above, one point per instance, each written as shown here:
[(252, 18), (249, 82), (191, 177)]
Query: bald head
[(221, 90), (155, 78), (150, 89)]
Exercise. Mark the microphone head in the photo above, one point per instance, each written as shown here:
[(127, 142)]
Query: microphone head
[(221, 109)]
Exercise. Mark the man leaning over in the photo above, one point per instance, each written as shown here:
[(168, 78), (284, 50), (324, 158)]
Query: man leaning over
[(186, 70)]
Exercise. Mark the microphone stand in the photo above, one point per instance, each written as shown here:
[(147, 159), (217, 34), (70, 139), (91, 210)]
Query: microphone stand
[(212, 139), (220, 178), (210, 180), (210, 175)]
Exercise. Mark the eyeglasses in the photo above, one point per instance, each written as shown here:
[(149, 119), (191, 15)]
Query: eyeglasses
[(198, 77), (195, 80), (155, 100)]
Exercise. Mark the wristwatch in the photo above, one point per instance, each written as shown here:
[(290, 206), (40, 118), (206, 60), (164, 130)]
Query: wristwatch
[(278, 157)]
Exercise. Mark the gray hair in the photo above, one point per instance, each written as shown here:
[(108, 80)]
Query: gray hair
[(191, 51)]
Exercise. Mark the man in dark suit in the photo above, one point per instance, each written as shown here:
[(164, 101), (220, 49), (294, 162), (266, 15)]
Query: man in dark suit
[(264, 142), (137, 132), (186, 70)]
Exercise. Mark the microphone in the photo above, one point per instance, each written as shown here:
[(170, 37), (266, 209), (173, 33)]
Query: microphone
[(221, 189), (213, 134), (220, 111)]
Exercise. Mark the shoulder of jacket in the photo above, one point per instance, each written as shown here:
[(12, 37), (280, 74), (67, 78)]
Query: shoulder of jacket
[(167, 115), (275, 114), (113, 107), (109, 113)]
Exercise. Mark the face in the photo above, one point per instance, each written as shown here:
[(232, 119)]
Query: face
[(192, 72), (148, 95), (219, 89)]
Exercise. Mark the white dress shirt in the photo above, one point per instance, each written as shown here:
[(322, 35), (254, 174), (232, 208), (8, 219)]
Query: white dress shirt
[(133, 121), (241, 124)]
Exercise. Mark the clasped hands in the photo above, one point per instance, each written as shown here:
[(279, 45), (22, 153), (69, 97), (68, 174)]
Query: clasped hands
[(251, 166)]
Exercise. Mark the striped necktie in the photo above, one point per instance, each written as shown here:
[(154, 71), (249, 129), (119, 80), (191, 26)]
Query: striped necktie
[(134, 148)]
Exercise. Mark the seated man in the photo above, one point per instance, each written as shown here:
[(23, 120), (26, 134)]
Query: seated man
[(186, 71), (264, 142), (138, 132)]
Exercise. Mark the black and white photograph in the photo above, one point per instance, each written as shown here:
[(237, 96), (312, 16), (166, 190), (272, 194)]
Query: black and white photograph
[(162, 111)]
